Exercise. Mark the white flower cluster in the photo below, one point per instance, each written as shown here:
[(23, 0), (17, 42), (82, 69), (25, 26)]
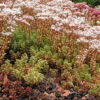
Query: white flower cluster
[(82, 40), (81, 58), (95, 44), (28, 17), (55, 27), (6, 33)]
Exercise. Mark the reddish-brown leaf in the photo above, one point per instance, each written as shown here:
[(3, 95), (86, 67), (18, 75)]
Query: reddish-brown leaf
[(57, 84), (75, 98), (83, 98), (60, 89), (5, 79), (66, 93), (53, 95)]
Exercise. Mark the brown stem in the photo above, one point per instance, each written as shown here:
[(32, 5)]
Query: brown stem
[(96, 19), (12, 4)]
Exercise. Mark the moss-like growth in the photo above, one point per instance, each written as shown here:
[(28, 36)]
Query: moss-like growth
[(21, 41), (88, 77)]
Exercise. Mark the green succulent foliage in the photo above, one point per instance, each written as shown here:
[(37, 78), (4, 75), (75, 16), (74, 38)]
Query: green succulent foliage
[(32, 61), (68, 57), (18, 73), (6, 66), (62, 82), (63, 38), (97, 65), (46, 67), (45, 40), (49, 55), (40, 64), (73, 60), (42, 53), (76, 88), (94, 90), (59, 63), (65, 62), (99, 70), (35, 66), (21, 42), (81, 75), (67, 65), (48, 48), (77, 65), (75, 70), (88, 77), (24, 57), (5, 28), (18, 64), (33, 76), (32, 51), (86, 68), (70, 84), (64, 51), (55, 55), (16, 40), (65, 74)]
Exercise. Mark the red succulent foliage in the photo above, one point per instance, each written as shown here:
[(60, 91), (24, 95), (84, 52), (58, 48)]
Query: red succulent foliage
[(84, 84), (1, 77), (28, 90), (13, 97), (19, 82), (21, 91)]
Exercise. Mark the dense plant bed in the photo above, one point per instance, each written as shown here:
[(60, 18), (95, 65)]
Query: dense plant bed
[(51, 55)]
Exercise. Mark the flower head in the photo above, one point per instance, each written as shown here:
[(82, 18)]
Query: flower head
[(95, 12), (80, 6), (90, 9)]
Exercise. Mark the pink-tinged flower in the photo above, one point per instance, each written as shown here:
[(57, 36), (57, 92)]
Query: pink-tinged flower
[(96, 12), (52, 5), (84, 6), (27, 17), (64, 5), (98, 23), (90, 9), (79, 6)]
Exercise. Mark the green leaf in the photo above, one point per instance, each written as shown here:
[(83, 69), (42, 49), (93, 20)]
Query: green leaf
[(88, 77)]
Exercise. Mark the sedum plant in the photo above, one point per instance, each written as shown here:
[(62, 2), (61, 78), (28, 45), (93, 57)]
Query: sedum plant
[(94, 90), (59, 63), (88, 77), (33, 76), (4, 40), (86, 68), (29, 71), (65, 74), (21, 41), (67, 65), (69, 84), (6, 67), (48, 48)]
